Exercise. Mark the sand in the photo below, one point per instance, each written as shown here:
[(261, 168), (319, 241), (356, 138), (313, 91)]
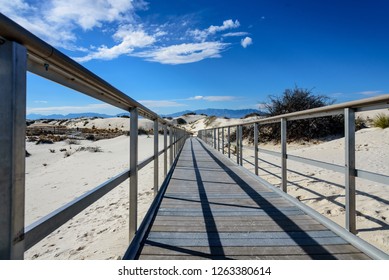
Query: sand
[(52, 180)]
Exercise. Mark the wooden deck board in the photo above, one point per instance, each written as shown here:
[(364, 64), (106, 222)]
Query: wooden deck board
[(213, 210)]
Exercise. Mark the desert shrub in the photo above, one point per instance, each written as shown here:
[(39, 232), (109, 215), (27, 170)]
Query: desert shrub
[(32, 138), (86, 122), (95, 149), (48, 121), (63, 150), (209, 120), (169, 118), (381, 120), (90, 137), (73, 142), (251, 115), (298, 99), (43, 140), (142, 131), (52, 151), (124, 116), (181, 121), (360, 123), (190, 114), (62, 121), (27, 154), (67, 154)]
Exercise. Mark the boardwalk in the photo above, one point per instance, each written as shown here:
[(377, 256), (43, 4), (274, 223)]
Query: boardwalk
[(213, 210)]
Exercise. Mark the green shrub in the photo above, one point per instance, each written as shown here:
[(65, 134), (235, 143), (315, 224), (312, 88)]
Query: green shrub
[(381, 120)]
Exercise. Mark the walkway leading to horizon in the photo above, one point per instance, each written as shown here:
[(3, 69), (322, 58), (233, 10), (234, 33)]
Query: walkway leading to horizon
[(213, 209)]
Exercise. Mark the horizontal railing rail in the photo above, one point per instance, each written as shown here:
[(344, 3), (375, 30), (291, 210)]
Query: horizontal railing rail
[(21, 51), (212, 137)]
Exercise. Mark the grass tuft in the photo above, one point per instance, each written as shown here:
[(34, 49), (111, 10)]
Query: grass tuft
[(381, 120)]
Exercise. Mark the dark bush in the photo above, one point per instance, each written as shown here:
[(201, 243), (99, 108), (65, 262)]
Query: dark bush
[(298, 99), (294, 100), (190, 113), (181, 121), (90, 137), (251, 115), (142, 131)]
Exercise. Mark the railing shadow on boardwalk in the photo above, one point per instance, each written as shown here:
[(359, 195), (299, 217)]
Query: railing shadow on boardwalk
[(309, 247), (331, 199), (273, 211)]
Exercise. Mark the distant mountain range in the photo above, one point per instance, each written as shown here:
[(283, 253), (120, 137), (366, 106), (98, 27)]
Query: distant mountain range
[(218, 113), (68, 116), (209, 112)]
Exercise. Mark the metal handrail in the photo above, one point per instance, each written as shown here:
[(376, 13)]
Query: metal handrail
[(49, 62), (212, 137), (21, 51)]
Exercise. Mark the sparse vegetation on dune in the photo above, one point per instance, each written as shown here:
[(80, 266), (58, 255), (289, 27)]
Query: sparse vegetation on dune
[(190, 114), (209, 120), (381, 120)]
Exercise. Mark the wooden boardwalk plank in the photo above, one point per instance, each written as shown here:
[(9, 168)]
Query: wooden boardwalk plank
[(213, 210)]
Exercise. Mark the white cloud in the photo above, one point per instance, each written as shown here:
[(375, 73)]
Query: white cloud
[(41, 101), (64, 24), (184, 53), (235, 34), (201, 35), (227, 24), (129, 40), (57, 21), (246, 42), (160, 103), (87, 13), (213, 98), (370, 92)]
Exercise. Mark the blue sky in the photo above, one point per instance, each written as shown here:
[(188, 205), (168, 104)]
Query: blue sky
[(179, 55)]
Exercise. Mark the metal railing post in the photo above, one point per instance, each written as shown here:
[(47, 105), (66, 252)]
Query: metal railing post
[(156, 159), (171, 146), (237, 144), (164, 150), (241, 144), (284, 175), (223, 140), (13, 58), (256, 148), (218, 139), (349, 126), (174, 144), (229, 141), (214, 138), (133, 171)]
